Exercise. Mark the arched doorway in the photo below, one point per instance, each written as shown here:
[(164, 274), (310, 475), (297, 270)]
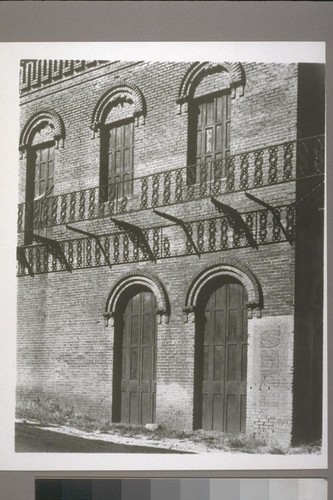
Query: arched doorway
[(134, 369), (221, 356)]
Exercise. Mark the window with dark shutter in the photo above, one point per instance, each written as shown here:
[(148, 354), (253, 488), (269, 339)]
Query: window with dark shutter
[(209, 138), (117, 161), (40, 183)]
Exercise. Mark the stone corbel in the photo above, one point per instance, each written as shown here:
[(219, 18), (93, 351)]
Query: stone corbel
[(182, 106), (237, 91), (59, 142), (96, 130), (189, 314), (139, 119), (162, 315), (23, 153), (108, 317), (253, 310)]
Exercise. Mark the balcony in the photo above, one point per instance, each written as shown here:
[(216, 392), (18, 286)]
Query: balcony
[(273, 165), (214, 234)]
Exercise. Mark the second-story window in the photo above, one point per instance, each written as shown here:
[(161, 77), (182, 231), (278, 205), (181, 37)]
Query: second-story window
[(209, 138), (117, 142), (116, 114), (40, 183)]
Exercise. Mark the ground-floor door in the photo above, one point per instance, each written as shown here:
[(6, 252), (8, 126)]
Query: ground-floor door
[(135, 360), (221, 358)]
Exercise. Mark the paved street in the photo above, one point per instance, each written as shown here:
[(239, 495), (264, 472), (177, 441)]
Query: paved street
[(30, 438)]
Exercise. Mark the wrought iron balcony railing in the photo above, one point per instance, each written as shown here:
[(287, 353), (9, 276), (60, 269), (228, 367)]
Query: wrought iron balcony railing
[(262, 167), (213, 234)]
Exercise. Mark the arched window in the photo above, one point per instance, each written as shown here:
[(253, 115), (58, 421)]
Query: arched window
[(205, 93), (117, 155), (209, 137), (39, 139), (114, 118)]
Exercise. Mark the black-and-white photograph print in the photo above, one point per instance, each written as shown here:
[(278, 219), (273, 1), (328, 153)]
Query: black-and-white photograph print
[(170, 257)]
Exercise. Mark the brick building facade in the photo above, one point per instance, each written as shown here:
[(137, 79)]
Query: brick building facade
[(170, 241)]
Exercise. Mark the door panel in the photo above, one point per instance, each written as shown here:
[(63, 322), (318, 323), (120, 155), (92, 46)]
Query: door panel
[(138, 385), (223, 346)]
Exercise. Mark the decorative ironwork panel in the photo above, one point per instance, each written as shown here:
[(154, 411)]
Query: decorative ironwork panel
[(122, 205), (217, 166), (244, 174), (125, 247), (258, 167), (37, 259), (30, 259), (54, 262), (156, 188), (156, 242), (79, 254), (166, 246), (46, 260), (70, 254), (263, 216), (116, 248), (63, 209), (212, 235), (179, 186), (189, 247), (190, 192), (88, 252), (276, 232), (204, 171), (290, 220), (230, 174), (273, 160), (106, 241), (144, 250), (236, 237), (82, 205), (167, 188), (288, 153), (72, 203), (54, 213), (136, 254), (92, 196), (144, 193), (97, 254), (200, 234), (250, 221), (224, 232), (63, 249)]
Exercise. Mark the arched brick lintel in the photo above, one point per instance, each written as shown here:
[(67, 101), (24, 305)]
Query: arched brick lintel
[(199, 69), (35, 120), (136, 278), (122, 92), (233, 269)]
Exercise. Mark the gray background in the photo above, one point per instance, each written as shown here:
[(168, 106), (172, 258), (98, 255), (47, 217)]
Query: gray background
[(177, 21)]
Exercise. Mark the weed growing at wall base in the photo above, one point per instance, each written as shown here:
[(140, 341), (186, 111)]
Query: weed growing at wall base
[(47, 412)]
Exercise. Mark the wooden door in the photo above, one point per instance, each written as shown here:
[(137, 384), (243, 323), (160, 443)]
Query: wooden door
[(138, 370), (223, 347)]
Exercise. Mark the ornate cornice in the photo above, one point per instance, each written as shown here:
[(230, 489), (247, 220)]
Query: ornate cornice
[(39, 73)]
